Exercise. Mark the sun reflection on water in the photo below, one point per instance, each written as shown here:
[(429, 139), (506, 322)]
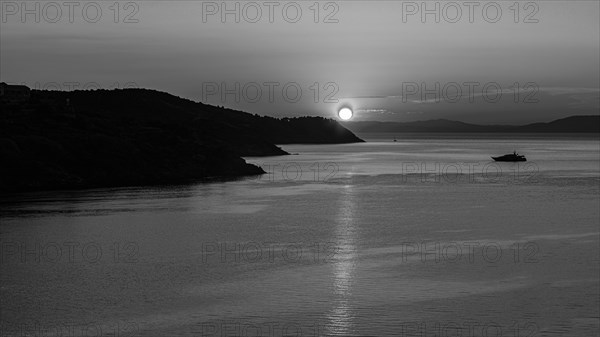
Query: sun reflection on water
[(341, 315)]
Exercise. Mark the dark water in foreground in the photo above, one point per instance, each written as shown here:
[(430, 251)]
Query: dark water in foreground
[(421, 237)]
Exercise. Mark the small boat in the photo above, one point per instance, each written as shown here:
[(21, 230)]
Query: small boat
[(511, 157)]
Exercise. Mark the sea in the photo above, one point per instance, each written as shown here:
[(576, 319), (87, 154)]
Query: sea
[(402, 235)]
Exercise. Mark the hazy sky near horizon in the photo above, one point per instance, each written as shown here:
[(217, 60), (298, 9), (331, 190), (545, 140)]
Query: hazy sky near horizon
[(382, 58)]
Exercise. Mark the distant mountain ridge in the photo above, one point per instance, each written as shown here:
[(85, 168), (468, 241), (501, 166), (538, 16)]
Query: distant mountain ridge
[(573, 124), (123, 137)]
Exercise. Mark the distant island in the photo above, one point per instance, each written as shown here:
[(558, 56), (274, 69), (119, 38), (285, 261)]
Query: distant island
[(574, 124), (126, 137)]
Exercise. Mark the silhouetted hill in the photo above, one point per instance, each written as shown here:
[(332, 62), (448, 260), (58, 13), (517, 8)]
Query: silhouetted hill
[(584, 124), (100, 138), (574, 124)]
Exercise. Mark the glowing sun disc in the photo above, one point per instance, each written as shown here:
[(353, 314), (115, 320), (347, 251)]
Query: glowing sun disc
[(345, 114)]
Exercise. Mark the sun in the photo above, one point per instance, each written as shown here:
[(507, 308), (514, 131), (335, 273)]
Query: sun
[(345, 114)]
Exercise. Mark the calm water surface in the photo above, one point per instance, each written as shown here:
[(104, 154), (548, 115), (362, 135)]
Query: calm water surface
[(419, 237)]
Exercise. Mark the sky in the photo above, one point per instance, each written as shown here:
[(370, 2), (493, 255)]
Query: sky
[(501, 62)]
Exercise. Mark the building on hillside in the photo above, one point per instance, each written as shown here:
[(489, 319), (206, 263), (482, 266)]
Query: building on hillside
[(14, 93)]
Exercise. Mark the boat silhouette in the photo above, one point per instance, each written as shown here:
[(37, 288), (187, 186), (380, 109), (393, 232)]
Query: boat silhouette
[(511, 157)]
